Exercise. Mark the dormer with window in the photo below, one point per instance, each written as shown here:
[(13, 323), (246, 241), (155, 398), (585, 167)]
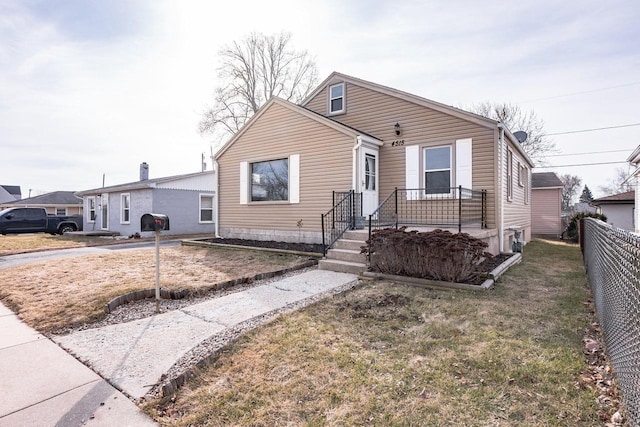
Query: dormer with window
[(336, 99)]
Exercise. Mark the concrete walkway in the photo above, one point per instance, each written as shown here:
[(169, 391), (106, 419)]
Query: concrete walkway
[(134, 355), (42, 385)]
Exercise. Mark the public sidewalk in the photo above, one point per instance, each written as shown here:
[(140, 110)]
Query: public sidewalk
[(42, 385)]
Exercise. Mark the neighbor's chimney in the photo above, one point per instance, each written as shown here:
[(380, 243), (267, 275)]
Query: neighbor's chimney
[(144, 171)]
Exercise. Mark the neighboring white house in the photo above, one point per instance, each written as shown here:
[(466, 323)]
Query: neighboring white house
[(619, 209), (188, 201), (9, 193), (634, 159)]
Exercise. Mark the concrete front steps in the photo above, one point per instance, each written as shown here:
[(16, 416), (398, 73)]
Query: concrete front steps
[(345, 256)]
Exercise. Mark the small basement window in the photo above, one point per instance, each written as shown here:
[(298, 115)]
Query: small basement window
[(336, 99)]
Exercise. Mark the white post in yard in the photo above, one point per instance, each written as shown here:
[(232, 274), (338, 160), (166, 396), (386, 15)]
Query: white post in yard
[(157, 271)]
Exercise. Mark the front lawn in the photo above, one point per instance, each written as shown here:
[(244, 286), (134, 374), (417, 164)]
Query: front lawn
[(71, 291), (389, 354)]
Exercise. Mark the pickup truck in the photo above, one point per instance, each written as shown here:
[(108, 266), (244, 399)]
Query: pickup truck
[(36, 220)]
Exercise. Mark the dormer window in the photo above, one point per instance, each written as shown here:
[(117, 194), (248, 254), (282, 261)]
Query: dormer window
[(336, 99)]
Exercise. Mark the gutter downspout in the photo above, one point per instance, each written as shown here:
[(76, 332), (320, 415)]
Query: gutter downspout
[(216, 186), (354, 173), (501, 186)]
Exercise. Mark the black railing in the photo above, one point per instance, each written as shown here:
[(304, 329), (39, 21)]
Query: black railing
[(343, 216), (451, 206)]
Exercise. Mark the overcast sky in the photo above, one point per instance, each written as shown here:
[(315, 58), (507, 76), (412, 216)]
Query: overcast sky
[(93, 88)]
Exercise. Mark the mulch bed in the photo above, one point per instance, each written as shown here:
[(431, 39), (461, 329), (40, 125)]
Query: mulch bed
[(487, 266), (299, 247)]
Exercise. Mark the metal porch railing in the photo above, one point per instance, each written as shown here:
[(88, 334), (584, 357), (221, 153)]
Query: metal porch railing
[(343, 216), (451, 206)]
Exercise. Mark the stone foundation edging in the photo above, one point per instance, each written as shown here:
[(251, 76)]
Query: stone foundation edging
[(428, 283), (184, 293)]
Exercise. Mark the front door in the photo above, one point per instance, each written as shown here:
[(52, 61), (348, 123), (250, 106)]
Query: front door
[(369, 179)]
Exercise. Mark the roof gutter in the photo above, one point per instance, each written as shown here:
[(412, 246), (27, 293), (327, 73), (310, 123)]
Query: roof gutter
[(216, 187)]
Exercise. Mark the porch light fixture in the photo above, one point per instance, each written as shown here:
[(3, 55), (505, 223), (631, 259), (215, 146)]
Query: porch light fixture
[(397, 128)]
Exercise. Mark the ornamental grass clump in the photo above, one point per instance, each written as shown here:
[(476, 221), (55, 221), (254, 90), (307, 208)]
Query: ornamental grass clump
[(437, 255)]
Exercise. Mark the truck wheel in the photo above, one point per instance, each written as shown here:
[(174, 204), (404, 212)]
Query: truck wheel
[(67, 229)]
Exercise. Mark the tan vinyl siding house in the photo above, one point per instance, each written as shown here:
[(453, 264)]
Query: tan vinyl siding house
[(350, 133), (546, 204), (282, 130)]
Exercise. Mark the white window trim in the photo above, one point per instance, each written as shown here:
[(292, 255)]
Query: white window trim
[(520, 174), (344, 99), (509, 175), (122, 208), (450, 169), (294, 182), (200, 221), (65, 211), (525, 172), (95, 209), (461, 168)]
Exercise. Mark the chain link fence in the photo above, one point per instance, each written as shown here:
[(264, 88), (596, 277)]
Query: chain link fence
[(612, 260)]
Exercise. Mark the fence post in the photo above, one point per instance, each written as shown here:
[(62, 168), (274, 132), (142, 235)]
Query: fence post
[(396, 212), (352, 202), (581, 234), (459, 208), (333, 211), (324, 247), (484, 209), (369, 240)]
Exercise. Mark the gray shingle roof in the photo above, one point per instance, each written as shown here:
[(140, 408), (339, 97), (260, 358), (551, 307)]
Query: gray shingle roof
[(545, 180), (53, 198), (626, 197), (14, 190)]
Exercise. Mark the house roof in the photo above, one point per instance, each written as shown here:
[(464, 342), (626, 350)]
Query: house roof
[(545, 180), (138, 185), (617, 199), (54, 198), (336, 76), (14, 190), (340, 127), (446, 109), (634, 157)]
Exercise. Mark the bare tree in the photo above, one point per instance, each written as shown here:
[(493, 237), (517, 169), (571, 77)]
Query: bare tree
[(252, 71), (619, 183), (537, 144), (571, 184)]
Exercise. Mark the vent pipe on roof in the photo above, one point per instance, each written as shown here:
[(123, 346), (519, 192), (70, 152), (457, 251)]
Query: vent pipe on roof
[(144, 171)]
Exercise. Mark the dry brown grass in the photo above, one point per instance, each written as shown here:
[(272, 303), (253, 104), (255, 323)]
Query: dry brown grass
[(71, 291), (388, 354), (19, 243)]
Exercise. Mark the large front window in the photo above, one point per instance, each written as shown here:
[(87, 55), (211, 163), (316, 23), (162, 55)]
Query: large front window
[(270, 180), (437, 170)]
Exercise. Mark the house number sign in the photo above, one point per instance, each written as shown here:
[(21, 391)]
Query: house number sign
[(397, 143)]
